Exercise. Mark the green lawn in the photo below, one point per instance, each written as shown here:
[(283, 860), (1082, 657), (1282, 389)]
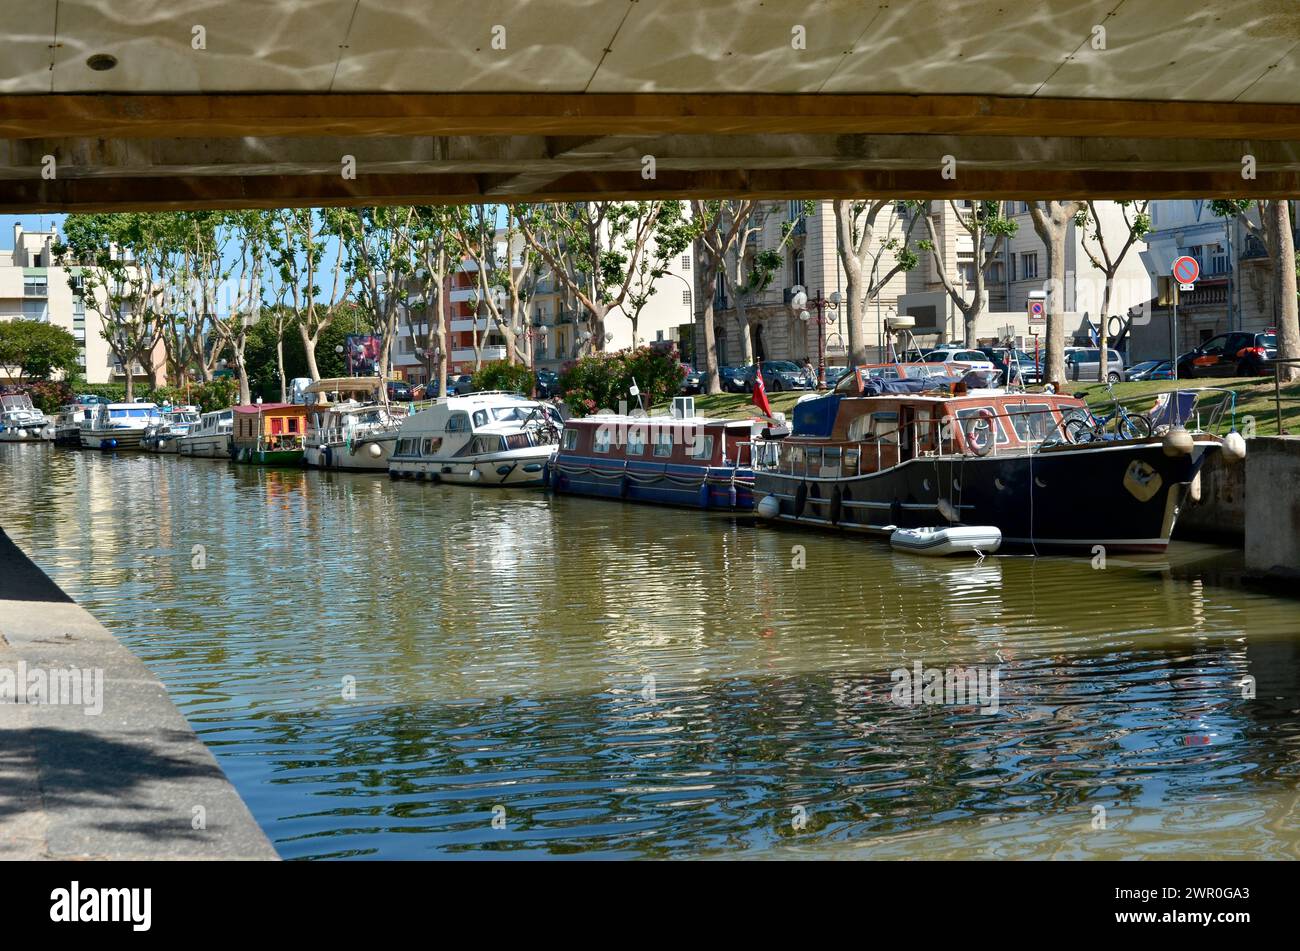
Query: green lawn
[(1254, 398)]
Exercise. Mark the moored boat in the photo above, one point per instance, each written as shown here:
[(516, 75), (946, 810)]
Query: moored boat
[(487, 438), (119, 425), (210, 438), (21, 421), (690, 461), (353, 434), (270, 434), (165, 437), (916, 454)]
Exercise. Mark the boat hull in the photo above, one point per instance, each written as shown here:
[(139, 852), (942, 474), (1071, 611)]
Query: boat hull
[(357, 458), (716, 487), (1122, 496), (24, 434), (111, 438), (205, 447), (276, 458), (517, 468)]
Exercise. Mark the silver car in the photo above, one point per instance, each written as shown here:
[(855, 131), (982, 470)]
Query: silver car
[(1085, 364)]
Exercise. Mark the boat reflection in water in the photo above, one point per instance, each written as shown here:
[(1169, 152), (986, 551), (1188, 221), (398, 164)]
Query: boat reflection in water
[(876, 456)]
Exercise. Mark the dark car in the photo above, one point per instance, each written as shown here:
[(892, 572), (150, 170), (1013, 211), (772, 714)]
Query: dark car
[(1150, 370), (1016, 366), (460, 385), (693, 381), (399, 392), (1232, 354), (548, 384), (779, 375), (734, 380)]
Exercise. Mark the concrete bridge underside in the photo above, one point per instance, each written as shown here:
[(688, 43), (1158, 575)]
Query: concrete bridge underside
[(926, 98)]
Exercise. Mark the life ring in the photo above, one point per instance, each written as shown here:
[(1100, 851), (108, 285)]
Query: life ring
[(973, 423)]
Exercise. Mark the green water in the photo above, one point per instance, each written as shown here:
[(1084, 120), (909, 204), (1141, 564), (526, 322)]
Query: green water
[(612, 680)]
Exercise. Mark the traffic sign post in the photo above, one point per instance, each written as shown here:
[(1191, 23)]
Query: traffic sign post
[(1185, 271)]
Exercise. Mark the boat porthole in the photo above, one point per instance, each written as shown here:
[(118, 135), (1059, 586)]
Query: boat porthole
[(999, 483), (504, 470), (1039, 482), (533, 467)]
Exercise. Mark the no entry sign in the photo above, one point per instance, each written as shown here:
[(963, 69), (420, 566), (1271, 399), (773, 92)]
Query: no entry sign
[(1186, 270)]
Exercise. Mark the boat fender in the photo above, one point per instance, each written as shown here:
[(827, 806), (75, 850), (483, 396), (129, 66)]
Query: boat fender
[(704, 495), (375, 450), (327, 456), (731, 495), (800, 499), (624, 487), (896, 512), (475, 475), (546, 475), (1177, 442), (769, 506), (836, 502), (1234, 446)]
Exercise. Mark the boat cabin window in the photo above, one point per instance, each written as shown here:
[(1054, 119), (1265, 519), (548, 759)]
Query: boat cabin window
[(570, 439), (765, 453), (831, 461), (884, 427), (851, 459), (796, 457), (813, 458), (883, 373), (458, 423), (430, 446), (972, 411), (600, 442), (490, 444), (636, 441), (516, 441), (405, 447), (1033, 422), (663, 443), (480, 418), (702, 448)]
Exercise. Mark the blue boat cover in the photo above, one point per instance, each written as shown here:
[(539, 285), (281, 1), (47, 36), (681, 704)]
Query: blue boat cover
[(912, 385), (816, 417)]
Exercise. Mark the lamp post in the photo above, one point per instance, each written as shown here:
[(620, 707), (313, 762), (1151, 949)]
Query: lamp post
[(799, 303)]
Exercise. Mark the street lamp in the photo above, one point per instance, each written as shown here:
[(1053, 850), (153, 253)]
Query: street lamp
[(799, 303)]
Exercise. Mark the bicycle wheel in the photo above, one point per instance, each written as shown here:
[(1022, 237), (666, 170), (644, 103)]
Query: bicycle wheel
[(1134, 426), (1077, 427)]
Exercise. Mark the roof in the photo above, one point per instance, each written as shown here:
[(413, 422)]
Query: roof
[(266, 407), (346, 384)]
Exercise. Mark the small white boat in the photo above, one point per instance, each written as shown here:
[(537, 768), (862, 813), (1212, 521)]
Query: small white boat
[(166, 436), (488, 438), (210, 439), (21, 421), (350, 434), (72, 419), (119, 425), (947, 540)]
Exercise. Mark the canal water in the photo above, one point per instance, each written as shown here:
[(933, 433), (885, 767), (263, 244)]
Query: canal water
[(399, 670)]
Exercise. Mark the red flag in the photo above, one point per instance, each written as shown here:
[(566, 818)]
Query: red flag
[(760, 392)]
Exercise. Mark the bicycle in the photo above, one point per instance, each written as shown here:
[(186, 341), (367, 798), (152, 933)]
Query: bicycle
[(1082, 425)]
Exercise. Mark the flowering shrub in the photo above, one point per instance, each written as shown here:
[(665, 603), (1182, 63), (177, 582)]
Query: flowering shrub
[(501, 375), (604, 380)]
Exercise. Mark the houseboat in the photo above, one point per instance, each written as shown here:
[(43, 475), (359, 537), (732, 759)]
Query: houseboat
[(488, 438), (270, 434), (354, 434), (675, 460), (928, 453), (210, 438), (21, 421), (165, 437), (119, 425)]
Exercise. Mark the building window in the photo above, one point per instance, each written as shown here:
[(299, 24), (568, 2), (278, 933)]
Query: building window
[(35, 286), (796, 268), (1219, 260), (686, 299), (686, 262), (1029, 264)]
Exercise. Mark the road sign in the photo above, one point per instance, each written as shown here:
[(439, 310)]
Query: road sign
[(1186, 271), (1037, 311)]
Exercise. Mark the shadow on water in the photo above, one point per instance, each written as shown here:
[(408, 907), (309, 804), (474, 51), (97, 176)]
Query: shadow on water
[(384, 669)]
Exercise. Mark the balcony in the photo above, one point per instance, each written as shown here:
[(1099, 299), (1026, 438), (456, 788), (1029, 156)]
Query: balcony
[(487, 354), (465, 325)]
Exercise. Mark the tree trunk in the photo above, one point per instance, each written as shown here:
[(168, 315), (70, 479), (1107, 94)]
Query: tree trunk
[(1103, 335), (855, 293), (1056, 304), (279, 362), (1284, 289), (706, 267)]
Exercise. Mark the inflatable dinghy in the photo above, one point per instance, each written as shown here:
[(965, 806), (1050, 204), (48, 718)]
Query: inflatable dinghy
[(949, 540)]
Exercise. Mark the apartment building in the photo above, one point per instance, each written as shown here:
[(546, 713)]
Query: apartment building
[(34, 286), (810, 260)]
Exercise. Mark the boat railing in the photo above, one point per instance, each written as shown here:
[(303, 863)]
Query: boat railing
[(1214, 406)]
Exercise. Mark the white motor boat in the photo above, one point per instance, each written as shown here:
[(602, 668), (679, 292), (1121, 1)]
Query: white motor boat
[(21, 421), (489, 438), (119, 425), (351, 434), (177, 422), (210, 437), (947, 540), (72, 419)]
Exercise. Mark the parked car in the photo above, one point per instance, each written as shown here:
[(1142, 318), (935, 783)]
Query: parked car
[(734, 380), (1150, 370), (460, 385), (693, 381), (399, 392), (834, 374), (974, 359), (548, 384), (89, 398), (1016, 366), (780, 375), (1085, 364), (1232, 354)]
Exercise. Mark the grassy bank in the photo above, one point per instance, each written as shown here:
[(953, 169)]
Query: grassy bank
[(1254, 398)]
